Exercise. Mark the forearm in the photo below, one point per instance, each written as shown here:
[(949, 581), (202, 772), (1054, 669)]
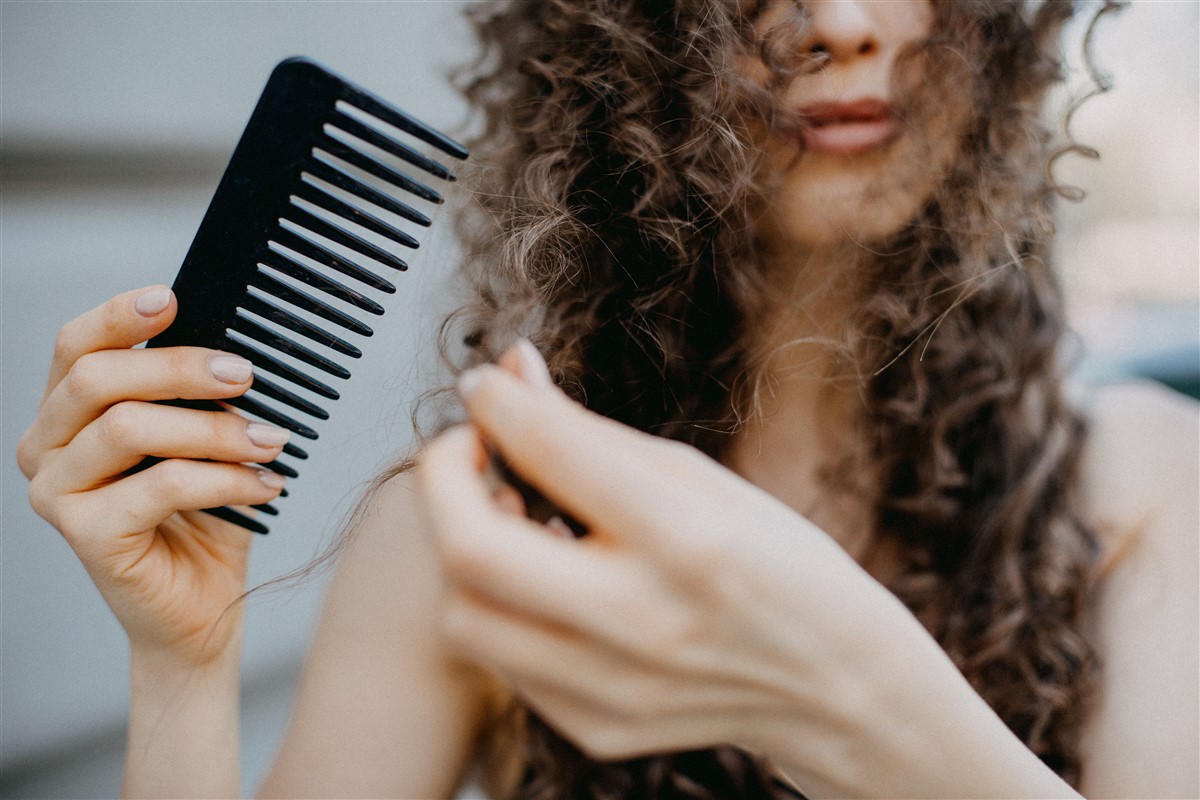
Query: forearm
[(183, 727), (917, 730)]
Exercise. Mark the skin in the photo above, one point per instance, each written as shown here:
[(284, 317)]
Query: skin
[(710, 604), (825, 200)]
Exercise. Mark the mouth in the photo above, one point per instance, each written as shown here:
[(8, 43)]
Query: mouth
[(847, 128)]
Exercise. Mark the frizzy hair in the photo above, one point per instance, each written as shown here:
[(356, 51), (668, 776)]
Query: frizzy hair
[(617, 181)]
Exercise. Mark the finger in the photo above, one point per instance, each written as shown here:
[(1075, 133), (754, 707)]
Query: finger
[(605, 474), (557, 526), (509, 500), (144, 500), (636, 714), (125, 320), (511, 561), (129, 432), (520, 648), (606, 702), (100, 379), (524, 361)]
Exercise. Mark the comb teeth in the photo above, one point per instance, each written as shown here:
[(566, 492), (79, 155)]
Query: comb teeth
[(290, 321), (335, 177), (322, 199), (370, 136), (307, 302), (380, 170), (292, 268), (318, 186)]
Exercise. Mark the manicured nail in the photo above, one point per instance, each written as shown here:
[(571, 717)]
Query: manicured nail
[(533, 366), (262, 435), (468, 382), (230, 369), (272, 479), (153, 302)]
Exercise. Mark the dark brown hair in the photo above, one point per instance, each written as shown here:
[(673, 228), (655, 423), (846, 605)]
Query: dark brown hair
[(617, 182)]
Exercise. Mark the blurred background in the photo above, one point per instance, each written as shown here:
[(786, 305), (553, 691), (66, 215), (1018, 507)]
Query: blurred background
[(116, 119)]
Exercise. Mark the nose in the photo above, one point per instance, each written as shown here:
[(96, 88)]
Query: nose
[(841, 30)]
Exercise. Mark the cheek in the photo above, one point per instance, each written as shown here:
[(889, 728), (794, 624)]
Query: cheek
[(912, 21)]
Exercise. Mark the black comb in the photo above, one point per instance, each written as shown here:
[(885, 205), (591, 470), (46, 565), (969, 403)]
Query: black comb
[(318, 153)]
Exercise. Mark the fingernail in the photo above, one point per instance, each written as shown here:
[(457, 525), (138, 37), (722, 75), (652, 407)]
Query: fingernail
[(556, 525), (262, 435), (272, 479), (230, 369), (468, 382), (153, 302), (533, 366)]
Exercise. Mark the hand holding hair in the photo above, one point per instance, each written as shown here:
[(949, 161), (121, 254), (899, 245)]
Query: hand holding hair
[(698, 611)]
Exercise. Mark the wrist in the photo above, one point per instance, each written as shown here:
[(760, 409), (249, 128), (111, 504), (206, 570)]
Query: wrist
[(903, 723), (204, 647), (152, 662), (183, 724), (844, 730)]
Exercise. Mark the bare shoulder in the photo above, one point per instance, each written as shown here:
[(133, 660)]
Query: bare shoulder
[(383, 709), (1141, 487), (1141, 459)]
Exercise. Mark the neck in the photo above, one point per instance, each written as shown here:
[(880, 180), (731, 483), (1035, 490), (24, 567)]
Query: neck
[(805, 394)]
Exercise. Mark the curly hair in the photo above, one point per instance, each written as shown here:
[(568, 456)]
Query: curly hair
[(618, 180)]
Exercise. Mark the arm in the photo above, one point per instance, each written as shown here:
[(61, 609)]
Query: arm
[(382, 710), (182, 739), (698, 611), (1141, 478)]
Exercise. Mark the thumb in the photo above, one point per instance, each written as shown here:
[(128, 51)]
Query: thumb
[(590, 466), (523, 360)]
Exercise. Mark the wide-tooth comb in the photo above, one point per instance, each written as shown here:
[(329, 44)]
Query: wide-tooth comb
[(314, 195)]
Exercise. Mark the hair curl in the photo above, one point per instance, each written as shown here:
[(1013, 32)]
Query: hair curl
[(617, 177)]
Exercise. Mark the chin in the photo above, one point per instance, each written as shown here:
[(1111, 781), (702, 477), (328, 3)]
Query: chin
[(862, 214), (825, 201)]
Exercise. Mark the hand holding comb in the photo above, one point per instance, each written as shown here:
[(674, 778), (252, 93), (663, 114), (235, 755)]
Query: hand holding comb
[(314, 194)]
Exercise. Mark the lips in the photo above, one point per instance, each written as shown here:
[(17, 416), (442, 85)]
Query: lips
[(847, 128)]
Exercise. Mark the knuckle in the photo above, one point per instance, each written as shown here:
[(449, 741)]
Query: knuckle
[(172, 478), (226, 430), (41, 499), (119, 424), (85, 375), (64, 343), (27, 455)]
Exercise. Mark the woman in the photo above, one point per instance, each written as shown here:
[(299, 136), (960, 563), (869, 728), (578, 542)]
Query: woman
[(809, 244)]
